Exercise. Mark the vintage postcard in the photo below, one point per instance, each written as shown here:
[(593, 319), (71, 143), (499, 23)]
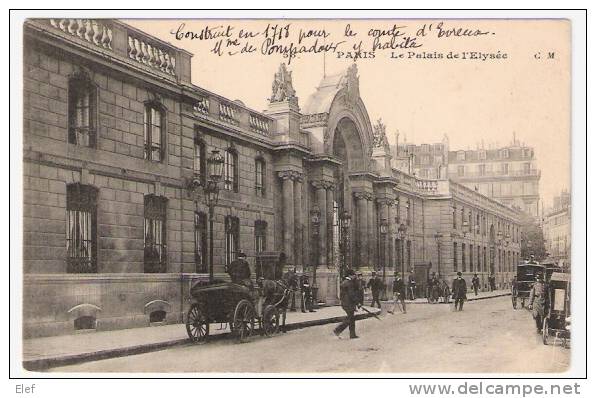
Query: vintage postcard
[(296, 196)]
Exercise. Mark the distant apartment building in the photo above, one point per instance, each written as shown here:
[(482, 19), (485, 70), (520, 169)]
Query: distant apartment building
[(508, 174), (556, 227)]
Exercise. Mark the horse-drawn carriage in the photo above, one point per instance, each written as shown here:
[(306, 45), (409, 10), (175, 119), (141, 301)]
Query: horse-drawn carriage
[(243, 308), (558, 308), (526, 273)]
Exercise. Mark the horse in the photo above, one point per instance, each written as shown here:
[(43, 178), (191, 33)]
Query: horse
[(278, 292)]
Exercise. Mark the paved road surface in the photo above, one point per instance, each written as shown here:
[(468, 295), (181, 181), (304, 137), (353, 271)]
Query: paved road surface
[(488, 336)]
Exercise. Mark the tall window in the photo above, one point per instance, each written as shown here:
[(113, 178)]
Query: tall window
[(260, 236), (200, 242), (471, 248), (199, 161), (454, 257), (454, 214), (484, 267), (463, 257), (460, 171), (408, 218), (81, 236), (231, 170), (397, 211), (82, 112), (481, 169), (260, 177), (155, 247), (154, 122), (232, 228), (505, 168)]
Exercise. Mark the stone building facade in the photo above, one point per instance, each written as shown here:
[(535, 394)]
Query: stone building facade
[(115, 132), (556, 227)]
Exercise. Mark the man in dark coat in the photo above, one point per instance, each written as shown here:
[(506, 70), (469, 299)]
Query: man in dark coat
[(412, 285), (458, 290), (399, 293), (239, 271), (491, 282), (538, 301), (475, 284), (350, 298), (361, 286), (376, 285), (306, 293)]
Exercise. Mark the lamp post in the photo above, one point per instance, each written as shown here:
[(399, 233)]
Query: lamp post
[(315, 220), (383, 230), (438, 240), (215, 169), (401, 233), (345, 220)]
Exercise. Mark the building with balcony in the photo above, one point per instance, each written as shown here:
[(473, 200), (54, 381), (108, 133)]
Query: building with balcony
[(508, 174), (116, 137), (556, 227)]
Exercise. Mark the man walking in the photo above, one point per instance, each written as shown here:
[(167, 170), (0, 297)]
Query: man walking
[(306, 302), (412, 285), (376, 285), (349, 297), (475, 284), (538, 302), (491, 282), (458, 290), (399, 294), (361, 287)]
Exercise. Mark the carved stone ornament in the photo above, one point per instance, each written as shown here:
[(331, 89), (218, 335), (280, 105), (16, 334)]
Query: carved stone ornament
[(323, 184), (281, 88), (363, 195), (314, 120), (379, 136), (290, 175), (351, 83)]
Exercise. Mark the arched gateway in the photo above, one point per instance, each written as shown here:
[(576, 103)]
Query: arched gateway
[(348, 167)]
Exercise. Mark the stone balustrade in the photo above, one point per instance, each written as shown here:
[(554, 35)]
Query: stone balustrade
[(94, 31), (151, 54), (125, 41), (228, 113), (201, 107), (259, 124)]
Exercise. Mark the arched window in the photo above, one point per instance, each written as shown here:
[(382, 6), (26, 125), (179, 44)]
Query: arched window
[(154, 122), (454, 256), (200, 242), (81, 236), (199, 160), (260, 172), (85, 323), (155, 247), (82, 111), (232, 229), (231, 170)]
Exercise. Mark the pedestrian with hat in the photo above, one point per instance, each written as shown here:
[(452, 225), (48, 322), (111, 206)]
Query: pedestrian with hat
[(399, 294), (458, 291), (361, 286), (376, 286), (475, 284), (538, 301), (350, 302)]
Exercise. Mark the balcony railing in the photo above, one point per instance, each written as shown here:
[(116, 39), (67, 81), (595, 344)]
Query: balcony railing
[(94, 31), (499, 173), (228, 113), (124, 41), (259, 124)]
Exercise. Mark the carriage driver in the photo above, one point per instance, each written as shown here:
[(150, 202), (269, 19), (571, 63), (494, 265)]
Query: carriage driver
[(239, 271), (538, 302)]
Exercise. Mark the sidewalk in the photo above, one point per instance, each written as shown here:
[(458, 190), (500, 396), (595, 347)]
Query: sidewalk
[(46, 352), (470, 295)]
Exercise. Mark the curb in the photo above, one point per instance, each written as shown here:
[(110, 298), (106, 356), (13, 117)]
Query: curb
[(37, 365), (451, 300)]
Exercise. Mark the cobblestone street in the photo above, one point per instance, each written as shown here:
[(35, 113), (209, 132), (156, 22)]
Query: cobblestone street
[(488, 336)]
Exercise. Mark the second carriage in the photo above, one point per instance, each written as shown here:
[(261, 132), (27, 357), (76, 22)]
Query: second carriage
[(526, 273)]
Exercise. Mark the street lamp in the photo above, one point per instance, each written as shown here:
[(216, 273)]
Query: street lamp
[(345, 220), (215, 169), (383, 230), (438, 240), (315, 220), (401, 233)]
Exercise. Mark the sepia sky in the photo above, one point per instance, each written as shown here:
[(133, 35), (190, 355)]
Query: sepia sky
[(472, 101)]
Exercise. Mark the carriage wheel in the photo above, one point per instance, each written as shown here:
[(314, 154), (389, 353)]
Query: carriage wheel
[(244, 320), (514, 302), (270, 320), (544, 332), (197, 325)]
